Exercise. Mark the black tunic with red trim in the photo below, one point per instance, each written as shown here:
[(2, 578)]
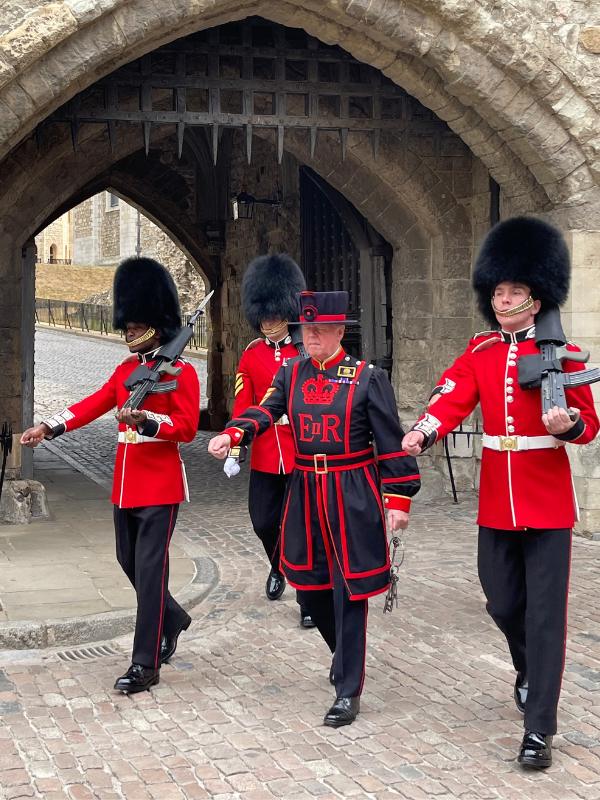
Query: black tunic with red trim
[(334, 507)]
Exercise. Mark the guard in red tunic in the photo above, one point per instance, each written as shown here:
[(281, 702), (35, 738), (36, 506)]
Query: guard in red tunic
[(527, 505), (149, 478), (270, 288), (349, 470)]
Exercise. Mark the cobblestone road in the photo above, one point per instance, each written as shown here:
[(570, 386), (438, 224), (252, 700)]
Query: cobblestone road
[(237, 716)]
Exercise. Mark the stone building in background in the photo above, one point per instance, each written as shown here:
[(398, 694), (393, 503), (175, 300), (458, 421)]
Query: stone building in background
[(101, 232)]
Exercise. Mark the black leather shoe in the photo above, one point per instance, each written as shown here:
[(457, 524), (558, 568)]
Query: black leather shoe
[(275, 585), (168, 644), (343, 712), (306, 621), (520, 692), (536, 750), (137, 679)]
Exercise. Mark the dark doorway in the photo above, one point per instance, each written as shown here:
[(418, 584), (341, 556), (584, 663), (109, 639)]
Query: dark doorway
[(341, 251)]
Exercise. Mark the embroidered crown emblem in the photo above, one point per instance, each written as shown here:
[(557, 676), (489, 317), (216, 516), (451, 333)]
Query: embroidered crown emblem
[(319, 390)]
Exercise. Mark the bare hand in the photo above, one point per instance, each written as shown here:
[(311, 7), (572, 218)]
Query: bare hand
[(219, 445), (557, 420), (33, 436), (413, 442), (396, 519), (131, 417)]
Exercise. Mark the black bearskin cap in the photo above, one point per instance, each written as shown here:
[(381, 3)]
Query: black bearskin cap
[(143, 291), (270, 288), (522, 250)]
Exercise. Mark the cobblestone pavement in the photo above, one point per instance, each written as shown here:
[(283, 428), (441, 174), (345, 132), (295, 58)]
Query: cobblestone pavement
[(237, 716)]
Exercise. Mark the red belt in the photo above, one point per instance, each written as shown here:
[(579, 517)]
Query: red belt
[(322, 463)]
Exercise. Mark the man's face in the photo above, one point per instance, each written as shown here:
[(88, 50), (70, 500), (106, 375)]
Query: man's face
[(508, 295), (321, 341), (133, 331)]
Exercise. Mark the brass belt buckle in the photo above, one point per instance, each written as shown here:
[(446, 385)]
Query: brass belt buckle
[(508, 443), (131, 436), (320, 470)]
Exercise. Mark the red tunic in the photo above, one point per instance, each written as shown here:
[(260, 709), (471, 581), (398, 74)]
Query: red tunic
[(525, 489), (274, 450), (147, 473)]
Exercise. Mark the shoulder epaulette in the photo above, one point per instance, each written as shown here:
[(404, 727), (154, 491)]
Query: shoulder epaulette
[(254, 343), (484, 340), (483, 333)]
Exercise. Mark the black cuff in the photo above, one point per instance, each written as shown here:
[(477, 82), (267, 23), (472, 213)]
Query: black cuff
[(56, 428), (573, 433), (429, 441), (149, 428)]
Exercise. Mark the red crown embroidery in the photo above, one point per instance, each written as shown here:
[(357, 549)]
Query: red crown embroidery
[(319, 390)]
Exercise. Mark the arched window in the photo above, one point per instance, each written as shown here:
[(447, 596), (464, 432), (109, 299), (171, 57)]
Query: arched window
[(53, 252)]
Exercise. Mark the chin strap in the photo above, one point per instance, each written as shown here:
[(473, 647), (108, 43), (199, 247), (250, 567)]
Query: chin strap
[(143, 338), (524, 306)]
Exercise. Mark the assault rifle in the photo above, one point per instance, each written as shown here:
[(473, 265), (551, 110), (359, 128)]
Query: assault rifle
[(545, 371), (145, 380)]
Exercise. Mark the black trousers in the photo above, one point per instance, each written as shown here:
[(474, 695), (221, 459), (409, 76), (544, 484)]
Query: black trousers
[(142, 538), (525, 578), (343, 625), (266, 493)]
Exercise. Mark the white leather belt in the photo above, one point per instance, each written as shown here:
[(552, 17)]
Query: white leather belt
[(518, 443), (133, 437)]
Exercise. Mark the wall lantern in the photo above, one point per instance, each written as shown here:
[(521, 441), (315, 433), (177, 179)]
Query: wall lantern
[(243, 204)]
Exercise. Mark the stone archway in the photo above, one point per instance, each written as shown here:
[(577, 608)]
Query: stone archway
[(525, 114)]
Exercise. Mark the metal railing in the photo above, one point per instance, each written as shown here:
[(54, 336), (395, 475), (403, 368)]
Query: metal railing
[(94, 318), (53, 260)]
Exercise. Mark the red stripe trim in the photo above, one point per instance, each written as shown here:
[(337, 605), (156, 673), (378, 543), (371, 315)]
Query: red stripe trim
[(375, 491), (340, 505), (349, 406), (362, 680), (265, 410), (325, 533), (370, 594), (248, 419), (291, 400), (315, 588), (399, 454), (162, 590), (401, 480), (338, 468), (342, 455), (324, 318)]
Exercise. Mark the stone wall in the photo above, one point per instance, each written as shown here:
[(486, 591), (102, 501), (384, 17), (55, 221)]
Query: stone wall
[(271, 230)]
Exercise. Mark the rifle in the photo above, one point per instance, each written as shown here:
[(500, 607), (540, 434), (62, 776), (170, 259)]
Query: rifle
[(145, 380), (545, 371), (6, 438)]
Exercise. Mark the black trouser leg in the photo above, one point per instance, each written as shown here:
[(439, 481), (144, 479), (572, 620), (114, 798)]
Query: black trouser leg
[(547, 560), (319, 604), (501, 568), (343, 625), (142, 539), (525, 577), (265, 504)]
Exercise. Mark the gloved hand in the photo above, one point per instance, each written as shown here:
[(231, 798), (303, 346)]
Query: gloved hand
[(231, 467)]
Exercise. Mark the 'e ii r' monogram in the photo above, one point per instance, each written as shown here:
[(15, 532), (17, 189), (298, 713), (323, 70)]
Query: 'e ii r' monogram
[(325, 429)]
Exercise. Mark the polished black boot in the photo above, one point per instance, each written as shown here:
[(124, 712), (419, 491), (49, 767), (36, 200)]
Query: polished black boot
[(520, 692), (168, 644), (343, 712), (137, 679), (536, 750), (275, 585)]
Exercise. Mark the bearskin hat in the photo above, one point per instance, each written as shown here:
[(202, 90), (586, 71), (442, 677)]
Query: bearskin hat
[(144, 291), (270, 288), (522, 250)]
